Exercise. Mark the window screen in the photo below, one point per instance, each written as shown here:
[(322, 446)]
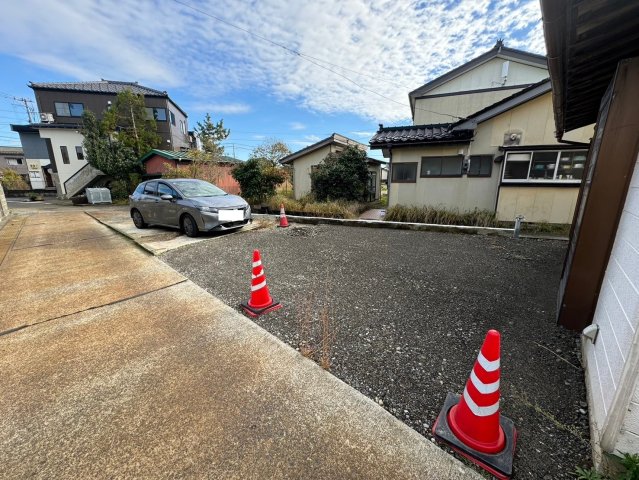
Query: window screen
[(404, 172), (449, 166), (65, 154), (480, 166)]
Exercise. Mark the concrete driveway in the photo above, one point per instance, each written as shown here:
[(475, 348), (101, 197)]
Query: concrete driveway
[(115, 366)]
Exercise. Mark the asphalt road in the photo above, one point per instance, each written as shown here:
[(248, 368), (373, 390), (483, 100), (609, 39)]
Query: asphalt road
[(410, 311)]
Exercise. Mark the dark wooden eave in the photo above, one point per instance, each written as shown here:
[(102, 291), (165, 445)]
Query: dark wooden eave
[(585, 39)]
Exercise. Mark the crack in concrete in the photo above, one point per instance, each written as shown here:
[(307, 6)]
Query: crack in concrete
[(115, 302), (66, 241)]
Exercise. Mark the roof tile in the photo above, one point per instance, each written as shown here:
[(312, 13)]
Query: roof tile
[(418, 134), (99, 86)]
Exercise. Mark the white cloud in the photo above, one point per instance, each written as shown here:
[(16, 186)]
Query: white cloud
[(221, 108), (312, 138), (362, 134), (385, 47), (297, 126)]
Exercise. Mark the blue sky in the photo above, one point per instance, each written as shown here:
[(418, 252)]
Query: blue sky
[(360, 58)]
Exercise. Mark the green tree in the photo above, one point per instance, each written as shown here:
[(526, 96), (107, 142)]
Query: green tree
[(258, 179), (341, 176), (130, 124), (271, 150), (110, 156), (211, 134)]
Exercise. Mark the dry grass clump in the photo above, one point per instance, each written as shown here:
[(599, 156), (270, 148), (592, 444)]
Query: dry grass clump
[(316, 333), (441, 216), (307, 206)]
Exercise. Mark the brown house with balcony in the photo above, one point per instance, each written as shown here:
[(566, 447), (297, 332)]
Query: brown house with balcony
[(64, 102), (58, 133)]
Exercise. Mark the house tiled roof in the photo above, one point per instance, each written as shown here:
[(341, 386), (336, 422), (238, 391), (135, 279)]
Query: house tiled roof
[(419, 134), (99, 86)]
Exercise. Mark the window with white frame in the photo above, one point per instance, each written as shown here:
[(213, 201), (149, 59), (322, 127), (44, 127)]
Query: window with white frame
[(14, 161), (547, 166)]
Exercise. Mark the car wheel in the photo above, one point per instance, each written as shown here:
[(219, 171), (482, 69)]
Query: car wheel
[(138, 220), (189, 226)]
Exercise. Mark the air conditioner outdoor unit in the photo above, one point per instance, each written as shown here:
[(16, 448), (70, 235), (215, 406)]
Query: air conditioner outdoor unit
[(46, 117)]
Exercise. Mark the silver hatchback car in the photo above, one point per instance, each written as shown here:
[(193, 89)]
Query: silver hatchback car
[(192, 205)]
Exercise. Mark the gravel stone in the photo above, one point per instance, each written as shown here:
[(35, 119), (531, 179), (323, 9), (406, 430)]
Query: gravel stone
[(403, 301)]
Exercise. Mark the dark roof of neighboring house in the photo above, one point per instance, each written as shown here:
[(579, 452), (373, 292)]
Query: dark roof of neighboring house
[(585, 40), (34, 127), (99, 86), (419, 135), (334, 138), (499, 50), (10, 149), (182, 156), (112, 87)]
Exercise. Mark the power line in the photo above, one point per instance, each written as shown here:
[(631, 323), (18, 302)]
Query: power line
[(312, 60)]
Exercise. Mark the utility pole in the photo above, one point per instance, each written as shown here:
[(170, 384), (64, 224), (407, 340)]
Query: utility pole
[(27, 108)]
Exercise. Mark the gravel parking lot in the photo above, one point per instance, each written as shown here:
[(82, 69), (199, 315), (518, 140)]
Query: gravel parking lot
[(410, 310)]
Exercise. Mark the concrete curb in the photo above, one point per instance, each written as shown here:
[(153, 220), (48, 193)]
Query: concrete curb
[(427, 227), (123, 233)]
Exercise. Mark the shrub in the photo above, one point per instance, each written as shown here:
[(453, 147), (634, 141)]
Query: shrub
[(119, 189), (12, 181), (342, 176), (258, 179), (440, 216)]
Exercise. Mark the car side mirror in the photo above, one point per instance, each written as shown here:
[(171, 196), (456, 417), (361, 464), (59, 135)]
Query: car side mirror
[(166, 196)]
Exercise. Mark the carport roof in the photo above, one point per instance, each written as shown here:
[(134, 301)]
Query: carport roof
[(585, 39)]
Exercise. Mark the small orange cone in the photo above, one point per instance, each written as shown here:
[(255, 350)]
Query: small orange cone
[(283, 219), (472, 424), (261, 300)]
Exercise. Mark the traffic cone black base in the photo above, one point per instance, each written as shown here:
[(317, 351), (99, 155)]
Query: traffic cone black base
[(256, 312), (499, 464)]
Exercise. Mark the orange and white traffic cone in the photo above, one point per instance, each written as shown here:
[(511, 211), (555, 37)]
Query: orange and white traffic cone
[(472, 425), (261, 300), (283, 219)]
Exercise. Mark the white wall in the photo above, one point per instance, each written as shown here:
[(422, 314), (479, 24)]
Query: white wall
[(457, 193), (612, 363), (36, 175), (486, 75), (70, 139), (302, 170)]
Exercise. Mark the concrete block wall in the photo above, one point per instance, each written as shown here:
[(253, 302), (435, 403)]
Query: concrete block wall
[(612, 363)]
